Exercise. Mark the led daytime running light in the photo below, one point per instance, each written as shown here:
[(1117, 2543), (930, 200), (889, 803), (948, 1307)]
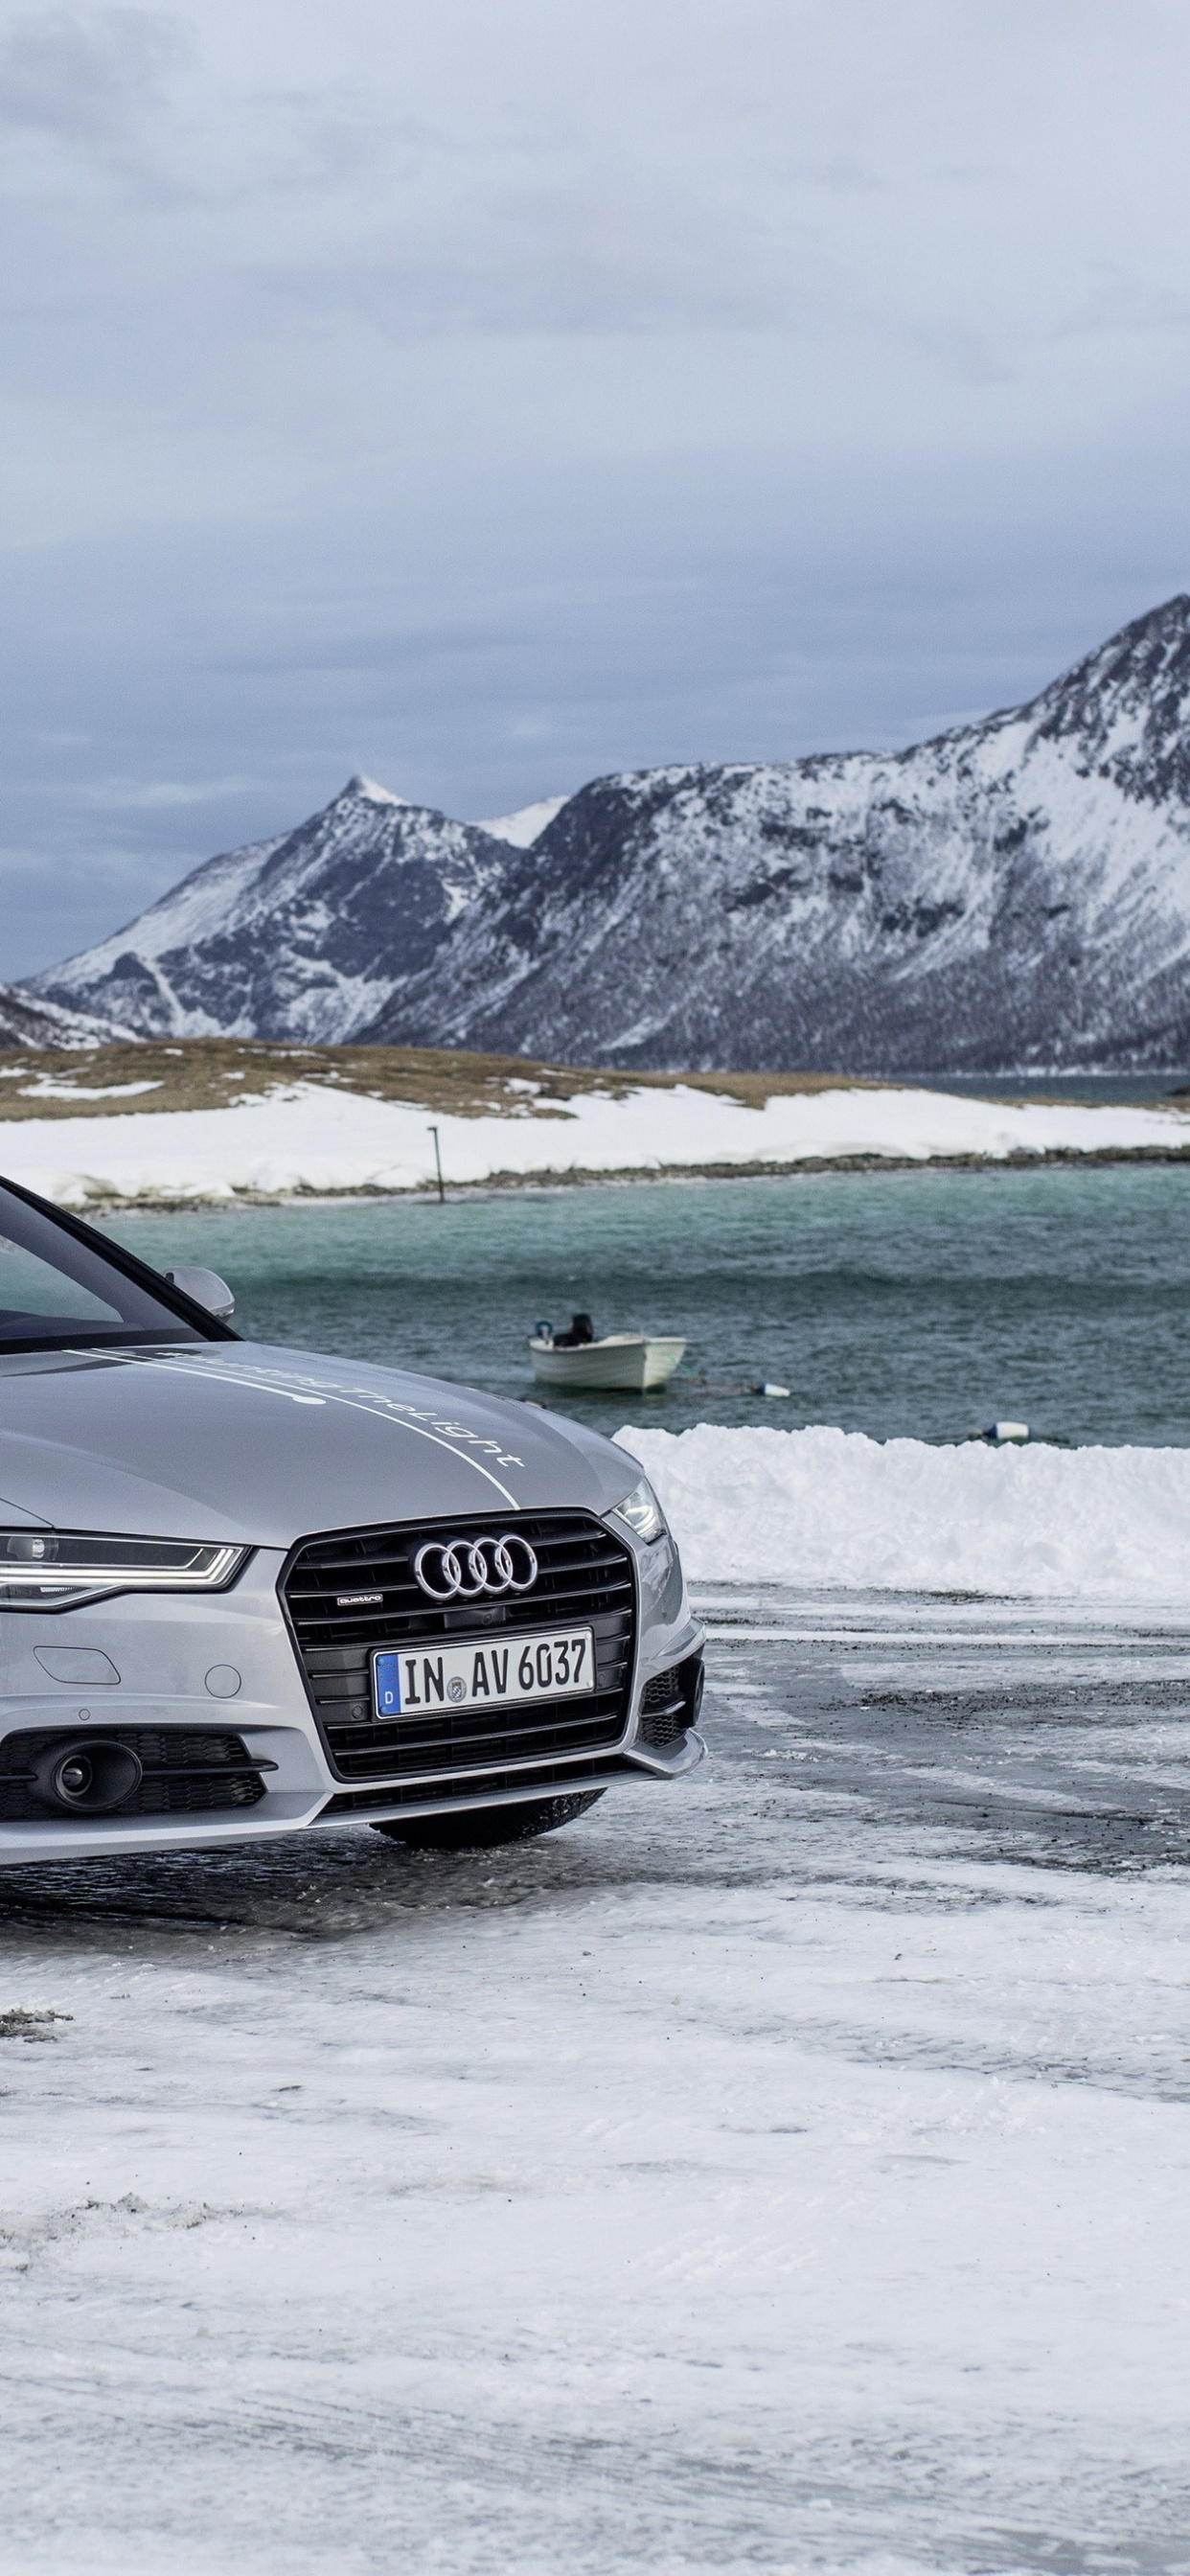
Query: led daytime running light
[(38, 1565)]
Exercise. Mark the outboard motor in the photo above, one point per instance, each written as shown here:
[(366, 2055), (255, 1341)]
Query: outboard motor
[(581, 1330)]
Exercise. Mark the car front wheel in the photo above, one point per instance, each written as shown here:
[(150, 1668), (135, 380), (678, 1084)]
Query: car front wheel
[(484, 1826)]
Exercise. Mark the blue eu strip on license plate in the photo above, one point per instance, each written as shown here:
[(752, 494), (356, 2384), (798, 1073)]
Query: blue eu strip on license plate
[(388, 1685)]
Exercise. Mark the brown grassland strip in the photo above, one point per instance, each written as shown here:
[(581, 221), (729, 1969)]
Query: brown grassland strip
[(213, 1073)]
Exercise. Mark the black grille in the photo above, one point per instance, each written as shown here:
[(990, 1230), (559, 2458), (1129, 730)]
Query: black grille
[(584, 1575), (184, 1773), (669, 1704)]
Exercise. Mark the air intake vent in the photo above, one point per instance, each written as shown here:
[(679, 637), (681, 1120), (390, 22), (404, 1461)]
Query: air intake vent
[(670, 1703), (354, 1591)]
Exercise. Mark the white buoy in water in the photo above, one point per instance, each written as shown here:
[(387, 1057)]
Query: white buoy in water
[(1002, 1434), (766, 1387)]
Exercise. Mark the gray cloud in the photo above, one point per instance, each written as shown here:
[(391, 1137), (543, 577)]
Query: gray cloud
[(89, 78), (485, 397), (155, 795)]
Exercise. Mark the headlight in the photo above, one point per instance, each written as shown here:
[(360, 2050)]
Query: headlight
[(643, 1512), (50, 1569)]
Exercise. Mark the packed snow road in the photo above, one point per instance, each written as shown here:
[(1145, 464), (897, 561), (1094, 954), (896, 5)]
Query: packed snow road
[(788, 2171)]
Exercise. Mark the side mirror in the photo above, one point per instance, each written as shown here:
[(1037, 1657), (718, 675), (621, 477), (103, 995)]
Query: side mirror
[(206, 1287)]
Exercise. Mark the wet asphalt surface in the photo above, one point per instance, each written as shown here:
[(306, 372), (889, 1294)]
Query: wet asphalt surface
[(921, 1764), (838, 1727)]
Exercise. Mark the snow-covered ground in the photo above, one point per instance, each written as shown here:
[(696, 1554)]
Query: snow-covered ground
[(786, 2172), (313, 1138), (832, 1507)]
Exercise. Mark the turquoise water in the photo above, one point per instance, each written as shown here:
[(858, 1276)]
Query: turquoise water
[(919, 1303)]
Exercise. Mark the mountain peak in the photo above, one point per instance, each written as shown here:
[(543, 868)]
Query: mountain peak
[(1124, 709), (1172, 612), (372, 791)]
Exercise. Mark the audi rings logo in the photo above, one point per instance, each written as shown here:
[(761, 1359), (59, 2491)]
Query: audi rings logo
[(467, 1569)]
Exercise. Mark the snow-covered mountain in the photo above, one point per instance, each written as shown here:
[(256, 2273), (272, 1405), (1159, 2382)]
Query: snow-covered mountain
[(1014, 894), (25, 1022), (304, 937)]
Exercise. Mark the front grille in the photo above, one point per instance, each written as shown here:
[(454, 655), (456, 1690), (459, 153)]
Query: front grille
[(585, 1576), (184, 1773)]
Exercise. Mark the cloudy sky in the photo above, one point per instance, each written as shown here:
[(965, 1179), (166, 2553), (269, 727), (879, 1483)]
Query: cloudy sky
[(488, 393)]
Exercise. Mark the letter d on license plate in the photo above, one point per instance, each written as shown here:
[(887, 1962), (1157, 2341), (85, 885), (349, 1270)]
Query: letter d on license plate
[(487, 1673)]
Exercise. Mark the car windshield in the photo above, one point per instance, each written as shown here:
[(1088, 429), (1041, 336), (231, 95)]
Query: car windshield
[(59, 1292)]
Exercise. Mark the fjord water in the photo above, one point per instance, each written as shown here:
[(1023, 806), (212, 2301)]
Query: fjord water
[(923, 1304)]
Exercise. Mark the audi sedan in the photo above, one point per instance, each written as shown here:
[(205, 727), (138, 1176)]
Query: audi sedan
[(245, 1590)]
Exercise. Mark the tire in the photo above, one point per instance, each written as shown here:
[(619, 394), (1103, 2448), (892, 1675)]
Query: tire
[(483, 1826)]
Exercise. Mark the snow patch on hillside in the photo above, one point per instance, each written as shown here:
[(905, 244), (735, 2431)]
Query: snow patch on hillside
[(194, 910), (527, 824), (829, 1507)]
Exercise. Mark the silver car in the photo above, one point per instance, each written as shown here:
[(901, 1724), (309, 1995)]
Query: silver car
[(244, 1590)]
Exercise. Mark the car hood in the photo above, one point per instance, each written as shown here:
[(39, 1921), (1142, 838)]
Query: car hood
[(246, 1442)]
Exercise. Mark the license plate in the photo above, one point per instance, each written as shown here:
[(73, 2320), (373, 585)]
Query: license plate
[(487, 1673)]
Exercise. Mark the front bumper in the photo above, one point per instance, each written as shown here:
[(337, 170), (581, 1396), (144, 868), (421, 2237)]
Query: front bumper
[(226, 1667)]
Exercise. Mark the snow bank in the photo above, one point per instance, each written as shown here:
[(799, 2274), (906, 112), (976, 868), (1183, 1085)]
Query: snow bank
[(832, 1507), (313, 1138)]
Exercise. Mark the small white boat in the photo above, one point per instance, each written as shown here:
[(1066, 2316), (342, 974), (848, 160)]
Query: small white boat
[(635, 1361)]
